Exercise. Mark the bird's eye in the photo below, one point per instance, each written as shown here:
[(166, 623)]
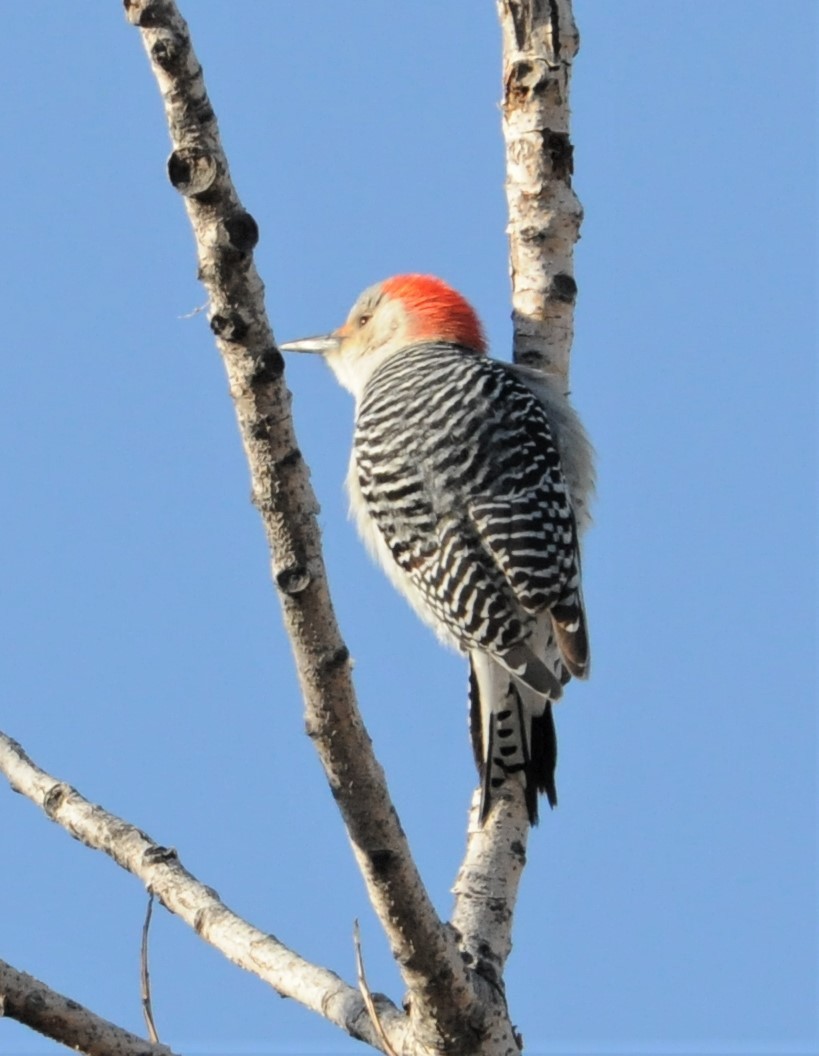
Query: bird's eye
[(364, 319)]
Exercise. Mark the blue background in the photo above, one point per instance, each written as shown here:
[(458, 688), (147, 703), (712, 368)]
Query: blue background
[(670, 903)]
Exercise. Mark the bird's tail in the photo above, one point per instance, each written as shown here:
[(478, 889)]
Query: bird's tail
[(513, 734)]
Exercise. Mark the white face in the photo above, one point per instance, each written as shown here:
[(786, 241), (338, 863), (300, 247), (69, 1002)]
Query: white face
[(376, 329)]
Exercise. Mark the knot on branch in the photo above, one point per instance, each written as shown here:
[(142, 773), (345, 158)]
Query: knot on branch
[(558, 149), (230, 327), (268, 366), (486, 966), (157, 854), (54, 798), (533, 357), (519, 851), (262, 428), (528, 81), (293, 580), (192, 171), (338, 658), (241, 231), (562, 288), (146, 14), (200, 919), (292, 458), (381, 861), (35, 1003), (170, 51)]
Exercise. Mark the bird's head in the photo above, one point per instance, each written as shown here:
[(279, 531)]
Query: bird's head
[(390, 316)]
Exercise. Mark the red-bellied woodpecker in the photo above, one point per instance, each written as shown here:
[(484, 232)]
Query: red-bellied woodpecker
[(470, 481)]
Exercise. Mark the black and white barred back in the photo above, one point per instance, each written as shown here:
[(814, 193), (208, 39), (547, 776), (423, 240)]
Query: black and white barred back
[(461, 476)]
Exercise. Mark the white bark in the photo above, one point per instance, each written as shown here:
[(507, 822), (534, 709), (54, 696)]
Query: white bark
[(31, 1002), (487, 884), (225, 234), (540, 41), (161, 871), (456, 1002)]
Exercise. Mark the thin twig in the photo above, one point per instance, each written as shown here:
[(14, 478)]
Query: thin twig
[(194, 312), (161, 871), (366, 993), (144, 974)]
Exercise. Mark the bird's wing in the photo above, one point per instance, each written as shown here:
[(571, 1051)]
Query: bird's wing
[(463, 481)]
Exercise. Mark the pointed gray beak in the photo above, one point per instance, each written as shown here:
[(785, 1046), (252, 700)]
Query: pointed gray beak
[(321, 344)]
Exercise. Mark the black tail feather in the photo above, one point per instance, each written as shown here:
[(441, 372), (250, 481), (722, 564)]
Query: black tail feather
[(544, 755), (540, 751)]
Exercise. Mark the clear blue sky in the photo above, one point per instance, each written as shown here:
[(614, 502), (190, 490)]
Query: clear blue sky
[(670, 903)]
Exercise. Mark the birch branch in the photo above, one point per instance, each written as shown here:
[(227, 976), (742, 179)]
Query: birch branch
[(443, 997), (486, 888), (35, 1005), (160, 869), (453, 1008), (540, 41)]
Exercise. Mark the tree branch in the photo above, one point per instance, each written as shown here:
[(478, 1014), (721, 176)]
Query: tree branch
[(31, 1002), (486, 888), (160, 869), (453, 1008), (540, 40), (443, 998)]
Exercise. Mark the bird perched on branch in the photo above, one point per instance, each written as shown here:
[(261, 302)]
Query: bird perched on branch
[(470, 481)]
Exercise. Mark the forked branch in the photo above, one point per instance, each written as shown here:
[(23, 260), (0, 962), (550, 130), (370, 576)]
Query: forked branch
[(443, 996), (454, 974), (161, 871)]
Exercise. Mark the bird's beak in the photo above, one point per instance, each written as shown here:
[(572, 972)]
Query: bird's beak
[(322, 343)]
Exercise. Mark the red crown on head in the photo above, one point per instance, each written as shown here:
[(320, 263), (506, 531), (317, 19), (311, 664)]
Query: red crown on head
[(437, 311)]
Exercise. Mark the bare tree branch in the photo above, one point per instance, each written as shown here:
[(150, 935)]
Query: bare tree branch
[(487, 884), (454, 974), (225, 237), (540, 40), (160, 869), (31, 1002)]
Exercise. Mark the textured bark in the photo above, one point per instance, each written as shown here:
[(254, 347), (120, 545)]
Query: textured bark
[(487, 884), (160, 869), (540, 41), (225, 235), (31, 1002), (456, 1002)]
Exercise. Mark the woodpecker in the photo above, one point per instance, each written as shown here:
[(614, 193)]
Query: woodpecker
[(469, 482)]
